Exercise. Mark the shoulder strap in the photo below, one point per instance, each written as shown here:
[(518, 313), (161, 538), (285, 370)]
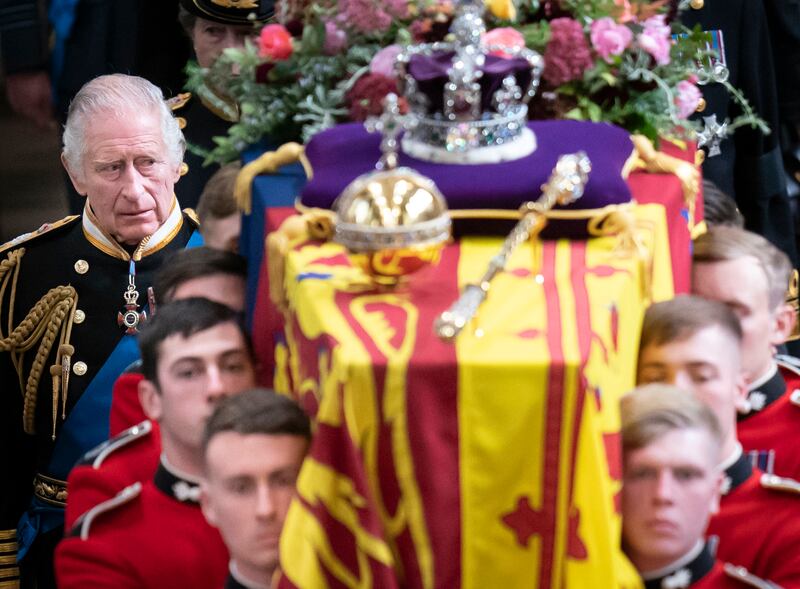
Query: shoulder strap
[(776, 483), (743, 575), (84, 523), (97, 455), (46, 228)]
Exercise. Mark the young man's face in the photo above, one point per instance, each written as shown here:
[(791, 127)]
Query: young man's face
[(195, 373), (250, 481), (670, 489), (222, 233), (706, 364), (742, 285)]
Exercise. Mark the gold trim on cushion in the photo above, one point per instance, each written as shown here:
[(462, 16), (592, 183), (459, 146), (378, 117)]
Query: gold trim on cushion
[(267, 163), (50, 490)]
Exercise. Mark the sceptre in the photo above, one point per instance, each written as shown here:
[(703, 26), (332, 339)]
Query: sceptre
[(565, 185)]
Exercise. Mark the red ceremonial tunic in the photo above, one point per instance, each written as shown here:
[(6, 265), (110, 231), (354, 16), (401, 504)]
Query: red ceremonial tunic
[(144, 538), (704, 572), (126, 410), (103, 472), (758, 524), (772, 428)]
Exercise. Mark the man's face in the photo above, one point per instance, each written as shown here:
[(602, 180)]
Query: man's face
[(706, 364), (227, 289), (211, 38), (126, 174), (195, 373), (742, 285), (670, 489), (250, 481), (223, 233)]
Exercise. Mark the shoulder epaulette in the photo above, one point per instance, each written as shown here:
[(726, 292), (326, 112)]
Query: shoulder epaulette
[(776, 483), (788, 362), (98, 454), (746, 577), (46, 228), (179, 101), (192, 216), (84, 523)]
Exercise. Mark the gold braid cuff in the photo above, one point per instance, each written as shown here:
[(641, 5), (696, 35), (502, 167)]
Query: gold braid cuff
[(48, 323), (266, 163)]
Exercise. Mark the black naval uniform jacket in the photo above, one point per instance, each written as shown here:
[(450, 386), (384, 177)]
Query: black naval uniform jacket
[(750, 167), (200, 123), (61, 254)]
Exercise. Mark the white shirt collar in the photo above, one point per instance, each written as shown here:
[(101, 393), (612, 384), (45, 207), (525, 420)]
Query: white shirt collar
[(98, 237)]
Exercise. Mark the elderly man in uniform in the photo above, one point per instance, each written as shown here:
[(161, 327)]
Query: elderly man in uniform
[(213, 26), (72, 297), (253, 446)]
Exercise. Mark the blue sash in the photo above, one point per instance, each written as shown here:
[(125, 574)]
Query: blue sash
[(62, 18), (86, 427)]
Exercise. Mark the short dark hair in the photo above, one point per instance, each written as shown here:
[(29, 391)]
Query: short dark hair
[(257, 411), (682, 317), (184, 317), (217, 200), (193, 263), (718, 207)]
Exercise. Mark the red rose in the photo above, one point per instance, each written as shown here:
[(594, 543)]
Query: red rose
[(366, 96), (275, 42)]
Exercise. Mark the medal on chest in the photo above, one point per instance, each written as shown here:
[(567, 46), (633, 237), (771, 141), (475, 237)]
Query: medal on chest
[(131, 317)]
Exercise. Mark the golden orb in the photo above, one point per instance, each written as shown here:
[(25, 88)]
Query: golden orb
[(394, 222)]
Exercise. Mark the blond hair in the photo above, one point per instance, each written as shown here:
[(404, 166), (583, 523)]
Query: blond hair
[(651, 411), (726, 243)]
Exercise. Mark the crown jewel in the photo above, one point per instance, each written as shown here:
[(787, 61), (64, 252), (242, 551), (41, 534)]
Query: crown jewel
[(467, 96)]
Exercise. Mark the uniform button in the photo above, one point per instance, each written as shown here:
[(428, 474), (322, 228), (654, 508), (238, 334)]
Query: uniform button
[(181, 122), (79, 368), (701, 105), (697, 4), (81, 266), (79, 316)]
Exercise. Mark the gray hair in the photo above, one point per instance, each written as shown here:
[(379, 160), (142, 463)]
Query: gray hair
[(118, 94)]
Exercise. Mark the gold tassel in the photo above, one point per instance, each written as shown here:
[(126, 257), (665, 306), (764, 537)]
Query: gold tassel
[(66, 351), (55, 373)]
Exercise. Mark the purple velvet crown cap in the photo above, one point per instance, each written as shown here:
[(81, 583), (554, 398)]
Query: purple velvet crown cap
[(431, 74), (339, 155)]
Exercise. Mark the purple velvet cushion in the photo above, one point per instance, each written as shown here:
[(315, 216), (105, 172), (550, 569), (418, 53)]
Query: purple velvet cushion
[(431, 75), (339, 155)]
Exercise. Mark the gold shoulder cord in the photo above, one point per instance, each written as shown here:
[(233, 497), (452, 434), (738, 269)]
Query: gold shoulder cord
[(50, 319)]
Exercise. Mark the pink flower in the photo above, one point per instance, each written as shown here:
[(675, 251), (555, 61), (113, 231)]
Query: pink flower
[(335, 39), (504, 37), (365, 16), (655, 39), (383, 61), (687, 99), (567, 54), (275, 42), (609, 38)]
